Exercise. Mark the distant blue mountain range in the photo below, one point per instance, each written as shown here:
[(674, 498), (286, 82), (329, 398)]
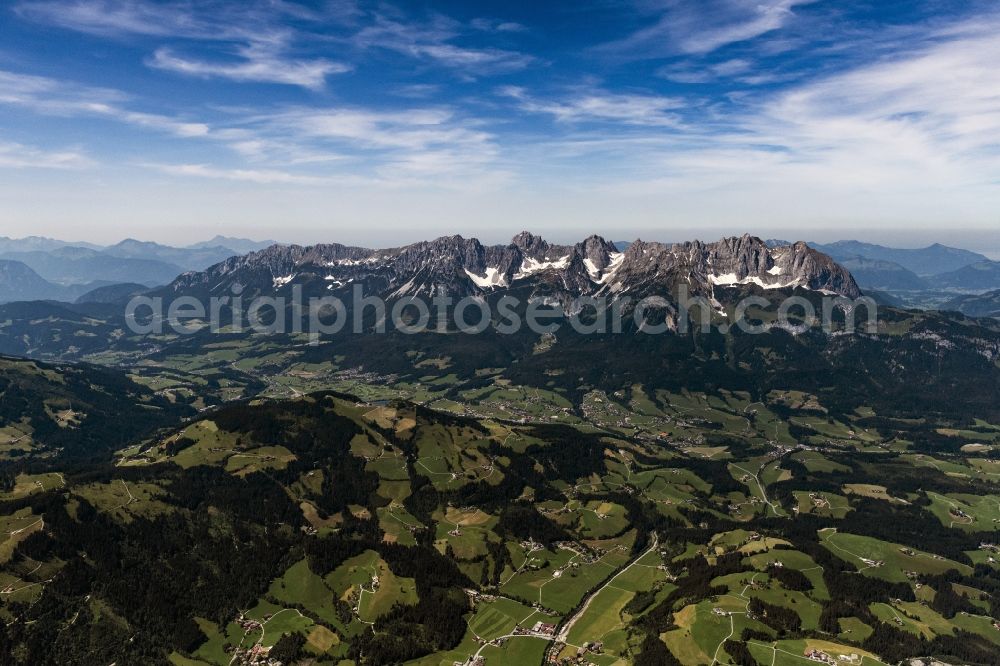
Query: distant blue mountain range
[(37, 268)]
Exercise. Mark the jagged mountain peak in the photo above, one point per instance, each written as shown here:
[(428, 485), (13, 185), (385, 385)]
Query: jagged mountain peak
[(731, 261), (596, 252), (532, 246)]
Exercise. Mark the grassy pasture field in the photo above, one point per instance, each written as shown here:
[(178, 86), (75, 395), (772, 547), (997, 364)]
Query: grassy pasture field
[(644, 575), (822, 504), (518, 650), (211, 446), (125, 499), (465, 531), (985, 468), (274, 622), (563, 580), (354, 578), (792, 653), (743, 587), (912, 617), (854, 549), (872, 491), (246, 462), (923, 621), (299, 585), (978, 624), (727, 541), (603, 617), (949, 467), (24, 581), (489, 620), (22, 590), (28, 484), (854, 630), (15, 440), (363, 447), (499, 617), (322, 525), (701, 631), (391, 590), (676, 483), (389, 465), (686, 409), (982, 512), (601, 519), (797, 560), (818, 463), (397, 524), (212, 651), (830, 429)]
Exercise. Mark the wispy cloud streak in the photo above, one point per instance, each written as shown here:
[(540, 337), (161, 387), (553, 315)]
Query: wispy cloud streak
[(704, 26), (59, 98), (19, 156), (258, 63), (254, 32), (594, 105)]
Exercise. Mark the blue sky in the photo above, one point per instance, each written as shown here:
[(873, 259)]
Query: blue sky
[(381, 122)]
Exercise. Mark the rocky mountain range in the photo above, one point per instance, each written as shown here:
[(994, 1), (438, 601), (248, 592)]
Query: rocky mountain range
[(459, 266), (925, 278)]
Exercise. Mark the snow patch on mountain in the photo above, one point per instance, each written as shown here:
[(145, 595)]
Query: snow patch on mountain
[(530, 266), (493, 278), (731, 280)]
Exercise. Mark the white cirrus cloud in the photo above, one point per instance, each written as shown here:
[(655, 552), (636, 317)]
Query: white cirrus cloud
[(264, 36), (434, 144), (707, 72), (258, 63), (209, 20), (704, 26), (257, 176), (916, 131), (592, 105), (412, 129), (117, 17), (426, 143), (252, 31), (19, 156), (438, 40), (935, 110), (54, 97)]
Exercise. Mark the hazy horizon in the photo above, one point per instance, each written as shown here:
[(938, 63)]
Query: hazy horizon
[(983, 242)]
